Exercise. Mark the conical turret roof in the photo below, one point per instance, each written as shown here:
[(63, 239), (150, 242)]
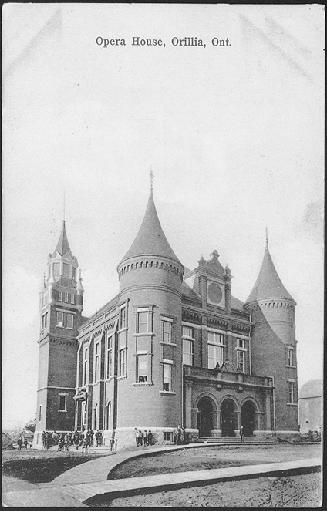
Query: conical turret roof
[(151, 239), (63, 246), (268, 284)]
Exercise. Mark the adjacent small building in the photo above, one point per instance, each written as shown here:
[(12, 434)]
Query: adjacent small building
[(311, 406), (174, 347)]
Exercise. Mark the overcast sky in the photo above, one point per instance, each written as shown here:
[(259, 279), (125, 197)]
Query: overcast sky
[(234, 136)]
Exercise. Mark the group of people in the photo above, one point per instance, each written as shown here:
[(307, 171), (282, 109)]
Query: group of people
[(22, 441), (78, 439), (143, 437)]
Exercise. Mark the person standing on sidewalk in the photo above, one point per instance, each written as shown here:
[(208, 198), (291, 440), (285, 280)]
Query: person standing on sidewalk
[(242, 434)]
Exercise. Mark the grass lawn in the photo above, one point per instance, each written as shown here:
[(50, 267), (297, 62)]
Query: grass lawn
[(206, 458), (41, 466)]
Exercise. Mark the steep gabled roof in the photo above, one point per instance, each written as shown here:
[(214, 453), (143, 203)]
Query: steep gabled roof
[(268, 284), (63, 246), (151, 239)]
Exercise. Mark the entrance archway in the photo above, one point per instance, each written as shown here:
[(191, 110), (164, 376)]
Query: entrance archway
[(206, 416), (228, 418), (248, 418)]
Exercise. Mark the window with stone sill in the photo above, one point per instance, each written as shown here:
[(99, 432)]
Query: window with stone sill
[(122, 362), (110, 357), (188, 352), (97, 363), (69, 321), (123, 318), (291, 392), (142, 368), (167, 377), (142, 322), (62, 403), (166, 331), (60, 319), (290, 357), (240, 361)]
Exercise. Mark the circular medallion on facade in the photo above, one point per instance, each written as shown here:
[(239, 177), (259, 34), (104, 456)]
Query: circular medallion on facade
[(214, 292)]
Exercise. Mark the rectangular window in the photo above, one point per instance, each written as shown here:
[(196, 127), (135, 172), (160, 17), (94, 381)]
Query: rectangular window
[(72, 298), (69, 321), (142, 368), (240, 361), (66, 270), (143, 322), (167, 377), (166, 330), (40, 412), (60, 296), (67, 297), (290, 357), (188, 332), (122, 318), (56, 270), (73, 273), (241, 343), (168, 436), (109, 357), (97, 362), (60, 318), (188, 354), (122, 362), (62, 403), (85, 367), (215, 349), (291, 392)]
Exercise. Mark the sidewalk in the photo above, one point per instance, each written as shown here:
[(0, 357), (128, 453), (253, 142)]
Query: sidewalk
[(83, 483)]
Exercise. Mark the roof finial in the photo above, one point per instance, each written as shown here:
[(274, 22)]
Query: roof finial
[(267, 238), (151, 182), (64, 207)]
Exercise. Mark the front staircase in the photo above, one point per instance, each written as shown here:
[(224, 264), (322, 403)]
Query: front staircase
[(236, 440)]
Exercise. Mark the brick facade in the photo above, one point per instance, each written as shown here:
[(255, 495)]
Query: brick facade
[(172, 348)]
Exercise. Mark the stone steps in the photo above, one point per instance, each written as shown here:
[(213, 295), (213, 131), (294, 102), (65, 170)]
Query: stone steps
[(234, 440)]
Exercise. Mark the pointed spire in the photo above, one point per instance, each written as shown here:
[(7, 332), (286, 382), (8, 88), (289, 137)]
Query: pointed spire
[(63, 246), (267, 238), (151, 183), (151, 239), (268, 284)]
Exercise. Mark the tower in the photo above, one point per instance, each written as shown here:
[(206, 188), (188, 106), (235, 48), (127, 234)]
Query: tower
[(61, 305), (272, 311), (149, 395)]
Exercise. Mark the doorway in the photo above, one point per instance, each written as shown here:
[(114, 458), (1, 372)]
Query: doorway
[(228, 420), (205, 416), (248, 418)]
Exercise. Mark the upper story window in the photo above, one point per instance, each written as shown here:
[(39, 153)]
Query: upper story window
[(60, 296), (122, 362), (241, 344), (73, 273), (62, 403), (142, 368), (240, 362), (72, 298), (109, 357), (66, 297), (215, 349), (291, 392), (166, 330), (167, 377), (143, 321), (123, 318), (69, 321), (97, 362), (188, 332), (60, 318), (56, 270), (66, 270), (85, 367), (290, 356), (188, 352)]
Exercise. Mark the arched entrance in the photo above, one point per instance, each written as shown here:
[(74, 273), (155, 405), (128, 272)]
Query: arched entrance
[(248, 418), (206, 416), (228, 418)]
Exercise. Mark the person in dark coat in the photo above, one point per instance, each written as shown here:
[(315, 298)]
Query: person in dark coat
[(242, 434), (150, 437), (25, 443), (20, 443)]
